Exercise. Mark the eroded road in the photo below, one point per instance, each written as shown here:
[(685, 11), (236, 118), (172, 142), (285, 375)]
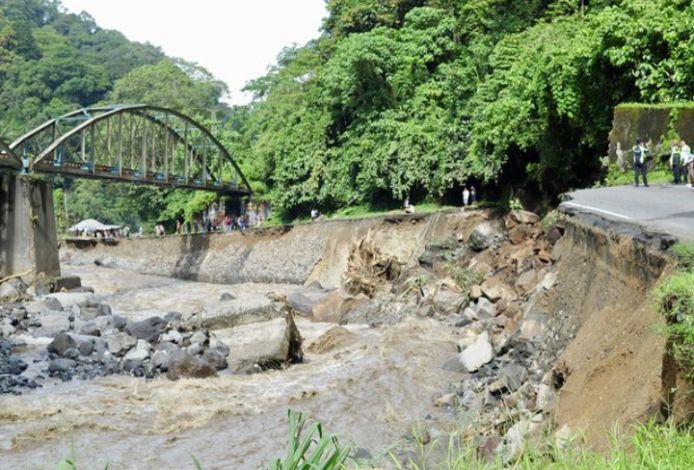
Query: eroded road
[(659, 208)]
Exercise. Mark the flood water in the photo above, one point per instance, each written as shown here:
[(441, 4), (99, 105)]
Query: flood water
[(369, 385)]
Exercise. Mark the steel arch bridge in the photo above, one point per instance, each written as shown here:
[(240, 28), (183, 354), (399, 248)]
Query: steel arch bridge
[(7, 157), (132, 143)]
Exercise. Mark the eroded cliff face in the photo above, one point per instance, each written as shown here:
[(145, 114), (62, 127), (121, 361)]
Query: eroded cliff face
[(290, 254), (614, 368)]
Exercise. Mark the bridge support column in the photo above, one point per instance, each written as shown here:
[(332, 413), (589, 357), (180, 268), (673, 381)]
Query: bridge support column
[(28, 240)]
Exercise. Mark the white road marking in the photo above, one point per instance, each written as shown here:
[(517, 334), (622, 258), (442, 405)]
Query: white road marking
[(593, 209)]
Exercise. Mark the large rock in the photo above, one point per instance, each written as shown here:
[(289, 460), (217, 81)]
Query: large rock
[(265, 345), (335, 304), (49, 304), (66, 283), (216, 358), (525, 217), (139, 353), (61, 343), (68, 299), (181, 364), (477, 354), (483, 236), (305, 301), (161, 358), (8, 290), (148, 329), (520, 233), (120, 343), (484, 309)]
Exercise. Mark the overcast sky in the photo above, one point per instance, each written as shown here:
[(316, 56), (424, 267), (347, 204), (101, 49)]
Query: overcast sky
[(236, 40)]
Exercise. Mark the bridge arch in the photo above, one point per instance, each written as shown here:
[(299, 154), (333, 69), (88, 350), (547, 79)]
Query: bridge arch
[(7, 157), (135, 143)]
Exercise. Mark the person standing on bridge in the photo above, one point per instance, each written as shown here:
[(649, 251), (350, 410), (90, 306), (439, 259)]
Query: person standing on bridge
[(676, 161), (640, 151)]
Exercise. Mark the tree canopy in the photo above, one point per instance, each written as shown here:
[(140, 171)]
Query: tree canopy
[(394, 98)]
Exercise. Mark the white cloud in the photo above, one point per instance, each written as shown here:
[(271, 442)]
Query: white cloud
[(236, 40)]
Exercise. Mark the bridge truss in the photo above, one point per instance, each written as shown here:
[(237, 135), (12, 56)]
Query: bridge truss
[(132, 143), (7, 157)]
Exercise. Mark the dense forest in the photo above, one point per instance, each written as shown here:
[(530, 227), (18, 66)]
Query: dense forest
[(395, 98)]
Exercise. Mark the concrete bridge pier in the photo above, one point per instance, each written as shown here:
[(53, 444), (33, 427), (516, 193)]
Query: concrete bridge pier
[(28, 240)]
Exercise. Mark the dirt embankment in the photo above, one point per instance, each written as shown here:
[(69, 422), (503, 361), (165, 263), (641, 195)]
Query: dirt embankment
[(290, 254), (614, 367)]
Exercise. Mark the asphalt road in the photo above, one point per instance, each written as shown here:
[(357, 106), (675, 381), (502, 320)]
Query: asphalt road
[(661, 207)]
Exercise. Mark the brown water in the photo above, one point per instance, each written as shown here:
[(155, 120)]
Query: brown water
[(369, 385)]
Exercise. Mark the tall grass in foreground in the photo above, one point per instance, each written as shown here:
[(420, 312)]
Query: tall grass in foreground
[(651, 447), (315, 451)]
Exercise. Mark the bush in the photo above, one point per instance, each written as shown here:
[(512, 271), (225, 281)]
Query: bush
[(675, 298), (685, 255)]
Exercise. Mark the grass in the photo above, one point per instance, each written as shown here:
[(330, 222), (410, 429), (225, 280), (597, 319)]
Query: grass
[(616, 177), (675, 300), (678, 104), (314, 451), (651, 447), (361, 212)]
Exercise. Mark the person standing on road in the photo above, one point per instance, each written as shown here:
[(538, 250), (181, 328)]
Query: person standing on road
[(466, 197), (640, 166), (676, 162), (687, 164), (473, 195)]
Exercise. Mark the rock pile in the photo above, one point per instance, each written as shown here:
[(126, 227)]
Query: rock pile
[(87, 340)]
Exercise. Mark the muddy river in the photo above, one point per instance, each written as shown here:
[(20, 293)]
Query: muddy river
[(369, 385)]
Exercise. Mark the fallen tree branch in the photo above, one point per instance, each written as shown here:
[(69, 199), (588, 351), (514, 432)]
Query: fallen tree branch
[(8, 278)]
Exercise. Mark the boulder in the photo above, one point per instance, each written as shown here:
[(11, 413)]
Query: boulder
[(266, 345), (139, 353), (491, 291), (61, 365), (173, 317), (162, 356), (335, 304), (68, 299), (50, 323), (8, 290), (119, 343), (525, 217), (477, 354), (515, 439), (201, 337), (61, 343), (513, 376), (181, 365), (305, 301), (148, 329), (66, 283), (215, 358), (90, 329), (41, 306), (520, 233), (475, 292), (172, 336), (483, 236), (94, 310), (226, 296), (484, 309)]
